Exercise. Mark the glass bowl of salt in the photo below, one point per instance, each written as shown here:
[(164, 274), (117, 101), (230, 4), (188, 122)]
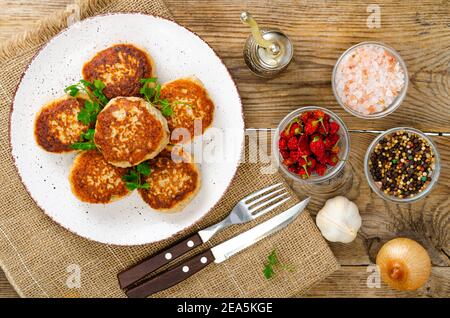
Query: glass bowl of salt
[(370, 80)]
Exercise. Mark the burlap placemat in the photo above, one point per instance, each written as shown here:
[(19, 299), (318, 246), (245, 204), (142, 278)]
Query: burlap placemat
[(41, 259)]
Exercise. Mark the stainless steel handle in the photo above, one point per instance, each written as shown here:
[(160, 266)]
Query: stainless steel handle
[(209, 232)]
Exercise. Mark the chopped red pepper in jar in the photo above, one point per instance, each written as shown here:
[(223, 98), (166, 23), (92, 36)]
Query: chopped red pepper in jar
[(309, 144)]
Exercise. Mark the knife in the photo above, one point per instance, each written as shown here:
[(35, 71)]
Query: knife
[(217, 254)]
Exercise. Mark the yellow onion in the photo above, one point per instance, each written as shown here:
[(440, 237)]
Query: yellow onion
[(404, 264)]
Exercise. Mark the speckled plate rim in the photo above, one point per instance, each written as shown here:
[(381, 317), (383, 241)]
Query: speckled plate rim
[(241, 146)]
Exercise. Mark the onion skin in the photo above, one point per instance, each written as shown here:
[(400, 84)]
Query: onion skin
[(404, 264)]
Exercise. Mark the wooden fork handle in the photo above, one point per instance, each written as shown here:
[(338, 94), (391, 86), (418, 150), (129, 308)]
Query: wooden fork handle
[(172, 276), (140, 270)]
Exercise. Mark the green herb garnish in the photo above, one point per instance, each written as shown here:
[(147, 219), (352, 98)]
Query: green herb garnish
[(88, 114), (152, 92), (83, 146), (97, 100), (272, 263), (166, 108), (98, 92), (87, 141), (268, 271), (133, 180), (72, 90), (269, 266), (148, 88)]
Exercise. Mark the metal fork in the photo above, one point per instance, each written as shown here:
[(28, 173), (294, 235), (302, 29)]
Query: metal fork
[(247, 209)]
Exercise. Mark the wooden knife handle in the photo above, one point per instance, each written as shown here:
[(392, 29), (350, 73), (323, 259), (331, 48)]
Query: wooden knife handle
[(172, 276), (140, 270)]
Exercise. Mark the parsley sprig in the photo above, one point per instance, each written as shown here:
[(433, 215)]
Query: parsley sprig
[(152, 93), (97, 100), (87, 141), (133, 180), (272, 263)]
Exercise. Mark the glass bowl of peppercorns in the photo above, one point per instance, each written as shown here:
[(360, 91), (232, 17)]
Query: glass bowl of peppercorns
[(402, 165), (311, 145)]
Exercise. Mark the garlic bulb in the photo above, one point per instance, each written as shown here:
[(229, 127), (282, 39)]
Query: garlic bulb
[(339, 220), (404, 264)]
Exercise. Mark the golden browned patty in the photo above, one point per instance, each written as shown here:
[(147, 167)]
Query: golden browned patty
[(120, 67), (94, 180), (57, 126), (173, 182), (190, 103), (129, 130)]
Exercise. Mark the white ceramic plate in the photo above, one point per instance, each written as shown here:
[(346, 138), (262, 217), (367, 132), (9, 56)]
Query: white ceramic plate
[(177, 52)]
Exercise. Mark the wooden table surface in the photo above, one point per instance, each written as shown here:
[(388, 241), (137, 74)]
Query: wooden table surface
[(321, 31)]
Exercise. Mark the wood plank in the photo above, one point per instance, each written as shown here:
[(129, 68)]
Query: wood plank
[(6, 290), (19, 15), (426, 221), (420, 30), (321, 31), (351, 281)]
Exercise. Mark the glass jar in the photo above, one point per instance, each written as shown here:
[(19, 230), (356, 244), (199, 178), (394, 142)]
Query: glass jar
[(435, 170), (336, 178), (398, 99)]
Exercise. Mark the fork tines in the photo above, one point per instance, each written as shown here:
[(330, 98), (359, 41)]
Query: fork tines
[(268, 198)]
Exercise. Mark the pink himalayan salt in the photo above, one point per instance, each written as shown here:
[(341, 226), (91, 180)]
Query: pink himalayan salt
[(368, 79)]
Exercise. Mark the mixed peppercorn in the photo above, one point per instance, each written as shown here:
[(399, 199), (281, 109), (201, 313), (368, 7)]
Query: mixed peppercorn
[(310, 144), (402, 164)]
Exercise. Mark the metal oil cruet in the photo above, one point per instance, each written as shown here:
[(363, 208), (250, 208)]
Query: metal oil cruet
[(266, 53)]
